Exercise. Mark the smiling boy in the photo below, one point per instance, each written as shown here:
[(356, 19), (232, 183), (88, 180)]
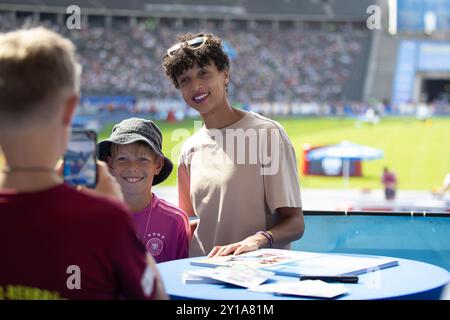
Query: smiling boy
[(134, 156)]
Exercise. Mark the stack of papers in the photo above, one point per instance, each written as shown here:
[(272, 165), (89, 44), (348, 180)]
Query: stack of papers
[(297, 263), (253, 280), (252, 269), (307, 288), (261, 258), (242, 276), (198, 276), (333, 265)]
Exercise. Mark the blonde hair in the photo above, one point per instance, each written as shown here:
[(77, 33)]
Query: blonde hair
[(36, 67)]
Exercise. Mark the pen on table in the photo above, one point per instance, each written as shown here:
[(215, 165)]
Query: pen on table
[(345, 279)]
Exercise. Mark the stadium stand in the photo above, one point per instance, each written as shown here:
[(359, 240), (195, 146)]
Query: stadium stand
[(310, 65), (322, 9)]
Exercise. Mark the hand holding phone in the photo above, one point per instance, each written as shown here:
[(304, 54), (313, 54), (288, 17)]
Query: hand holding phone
[(107, 185), (80, 162)]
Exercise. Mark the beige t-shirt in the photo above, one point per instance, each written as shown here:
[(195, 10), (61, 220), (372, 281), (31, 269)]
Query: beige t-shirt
[(235, 178)]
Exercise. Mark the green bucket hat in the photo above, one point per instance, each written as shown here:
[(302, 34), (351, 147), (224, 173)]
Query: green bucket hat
[(134, 130)]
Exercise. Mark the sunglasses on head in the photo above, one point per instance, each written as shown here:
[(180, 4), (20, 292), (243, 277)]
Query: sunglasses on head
[(193, 44)]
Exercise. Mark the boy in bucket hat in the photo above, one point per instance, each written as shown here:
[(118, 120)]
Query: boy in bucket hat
[(134, 156)]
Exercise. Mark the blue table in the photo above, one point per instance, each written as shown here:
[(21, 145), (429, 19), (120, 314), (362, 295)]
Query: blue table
[(409, 280)]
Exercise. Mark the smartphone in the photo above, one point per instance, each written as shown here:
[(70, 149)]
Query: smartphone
[(80, 162)]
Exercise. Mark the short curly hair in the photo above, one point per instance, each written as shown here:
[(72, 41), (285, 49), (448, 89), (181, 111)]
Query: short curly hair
[(184, 58)]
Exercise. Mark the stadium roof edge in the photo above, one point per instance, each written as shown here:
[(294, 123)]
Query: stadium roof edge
[(185, 15)]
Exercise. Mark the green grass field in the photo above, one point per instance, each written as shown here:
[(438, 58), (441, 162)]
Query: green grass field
[(418, 152)]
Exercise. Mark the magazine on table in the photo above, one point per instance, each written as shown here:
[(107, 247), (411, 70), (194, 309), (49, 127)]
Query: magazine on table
[(254, 279), (307, 288), (261, 258), (242, 276), (297, 263), (333, 265)]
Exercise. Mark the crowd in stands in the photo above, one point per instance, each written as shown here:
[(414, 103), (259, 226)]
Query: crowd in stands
[(286, 65)]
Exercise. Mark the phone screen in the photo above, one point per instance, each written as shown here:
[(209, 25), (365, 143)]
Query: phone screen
[(80, 166)]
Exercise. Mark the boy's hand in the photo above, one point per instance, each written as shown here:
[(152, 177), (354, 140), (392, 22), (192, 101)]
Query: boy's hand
[(60, 168), (107, 185)]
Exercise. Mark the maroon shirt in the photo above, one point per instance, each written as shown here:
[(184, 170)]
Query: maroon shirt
[(45, 236), (389, 180)]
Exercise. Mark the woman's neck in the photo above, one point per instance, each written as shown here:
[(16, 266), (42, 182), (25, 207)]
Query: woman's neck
[(222, 117)]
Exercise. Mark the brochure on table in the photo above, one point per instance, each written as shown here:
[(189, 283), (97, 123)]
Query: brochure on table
[(307, 288), (242, 276), (296, 263), (253, 279)]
